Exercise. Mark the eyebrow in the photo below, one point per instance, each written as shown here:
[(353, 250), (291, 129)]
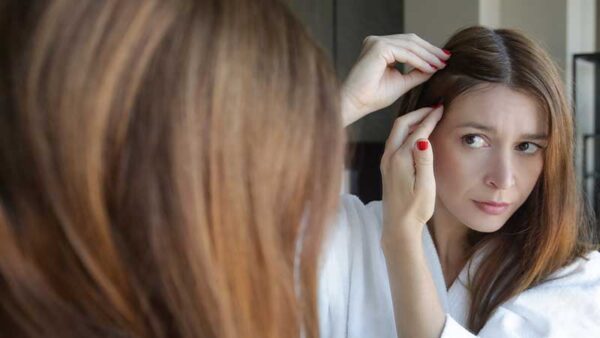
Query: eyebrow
[(493, 130)]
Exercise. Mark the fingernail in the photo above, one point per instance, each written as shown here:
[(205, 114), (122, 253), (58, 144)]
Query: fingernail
[(422, 145), (440, 102), (432, 66), (444, 62), (447, 52)]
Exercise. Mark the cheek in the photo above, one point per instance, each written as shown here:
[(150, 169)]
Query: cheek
[(528, 174), (455, 170)]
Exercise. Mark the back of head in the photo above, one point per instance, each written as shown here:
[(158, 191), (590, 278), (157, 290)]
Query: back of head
[(550, 229), (160, 162)]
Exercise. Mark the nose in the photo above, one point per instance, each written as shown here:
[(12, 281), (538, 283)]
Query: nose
[(501, 173)]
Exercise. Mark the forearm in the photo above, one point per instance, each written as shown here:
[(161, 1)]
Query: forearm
[(417, 308)]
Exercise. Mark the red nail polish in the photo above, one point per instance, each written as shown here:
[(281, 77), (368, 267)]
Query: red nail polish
[(437, 105), (444, 62), (447, 52), (422, 145)]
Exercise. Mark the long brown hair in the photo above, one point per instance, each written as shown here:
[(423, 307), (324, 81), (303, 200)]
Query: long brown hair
[(166, 168), (551, 229)]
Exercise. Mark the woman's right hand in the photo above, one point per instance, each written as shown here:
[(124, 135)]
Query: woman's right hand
[(374, 82)]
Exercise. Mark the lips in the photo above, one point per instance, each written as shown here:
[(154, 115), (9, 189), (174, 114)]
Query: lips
[(492, 207)]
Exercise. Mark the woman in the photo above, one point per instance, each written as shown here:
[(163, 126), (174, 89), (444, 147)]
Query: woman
[(491, 174), (155, 170)]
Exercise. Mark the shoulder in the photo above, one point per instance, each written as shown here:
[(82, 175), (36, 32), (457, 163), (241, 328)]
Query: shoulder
[(353, 209), (566, 304), (354, 298), (355, 231), (582, 276), (582, 272), (354, 225)]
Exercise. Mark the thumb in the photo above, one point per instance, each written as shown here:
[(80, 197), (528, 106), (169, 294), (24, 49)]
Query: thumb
[(414, 78), (423, 157)]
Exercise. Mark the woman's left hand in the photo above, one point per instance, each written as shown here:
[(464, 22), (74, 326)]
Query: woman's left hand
[(407, 172), (408, 203)]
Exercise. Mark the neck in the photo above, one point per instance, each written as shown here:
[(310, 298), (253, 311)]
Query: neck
[(450, 239)]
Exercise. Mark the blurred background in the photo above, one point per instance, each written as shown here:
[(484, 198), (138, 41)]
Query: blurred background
[(568, 29)]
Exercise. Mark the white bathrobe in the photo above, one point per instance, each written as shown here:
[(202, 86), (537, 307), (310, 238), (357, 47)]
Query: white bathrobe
[(355, 298)]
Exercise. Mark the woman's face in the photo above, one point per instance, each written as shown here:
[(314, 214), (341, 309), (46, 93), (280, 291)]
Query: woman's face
[(488, 156)]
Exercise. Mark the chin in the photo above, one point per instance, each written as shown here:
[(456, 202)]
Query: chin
[(481, 222), (485, 226)]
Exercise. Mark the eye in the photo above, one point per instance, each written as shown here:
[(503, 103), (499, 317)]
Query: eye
[(474, 141), (528, 148)]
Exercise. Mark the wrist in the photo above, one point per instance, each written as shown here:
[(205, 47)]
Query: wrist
[(402, 253), (402, 235), (350, 108)]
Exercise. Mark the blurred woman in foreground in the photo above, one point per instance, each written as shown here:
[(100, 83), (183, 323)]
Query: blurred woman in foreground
[(159, 163)]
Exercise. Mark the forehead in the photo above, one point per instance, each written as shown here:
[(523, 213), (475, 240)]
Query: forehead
[(499, 107)]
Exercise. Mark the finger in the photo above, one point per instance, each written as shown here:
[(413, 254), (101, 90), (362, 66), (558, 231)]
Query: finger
[(423, 161), (421, 52), (401, 128), (414, 78), (439, 52), (426, 127), (394, 54)]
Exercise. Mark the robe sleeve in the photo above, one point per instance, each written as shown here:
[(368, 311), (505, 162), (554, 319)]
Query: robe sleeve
[(354, 296)]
